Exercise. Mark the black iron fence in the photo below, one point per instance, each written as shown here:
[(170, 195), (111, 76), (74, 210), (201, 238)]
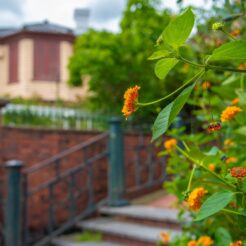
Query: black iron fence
[(50, 197)]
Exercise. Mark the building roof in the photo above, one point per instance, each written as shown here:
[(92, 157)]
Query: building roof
[(40, 27), (47, 27), (7, 31)]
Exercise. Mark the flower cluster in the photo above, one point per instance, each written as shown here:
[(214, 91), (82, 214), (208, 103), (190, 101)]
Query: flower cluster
[(164, 237), (230, 160), (214, 127), (170, 144), (202, 241), (235, 101), (235, 32), (238, 172), (229, 113), (242, 66), (211, 167), (228, 142), (237, 243), (195, 197), (206, 85), (217, 26), (131, 98)]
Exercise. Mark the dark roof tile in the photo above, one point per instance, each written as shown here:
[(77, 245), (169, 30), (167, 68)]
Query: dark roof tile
[(42, 27), (47, 27)]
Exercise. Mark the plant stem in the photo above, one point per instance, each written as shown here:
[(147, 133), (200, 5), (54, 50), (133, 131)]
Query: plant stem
[(205, 168), (211, 66), (232, 212), (226, 69), (228, 34), (242, 81), (197, 76), (186, 146), (191, 177), (190, 62)]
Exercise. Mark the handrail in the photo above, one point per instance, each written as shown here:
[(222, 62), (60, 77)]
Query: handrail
[(65, 174), (63, 154)]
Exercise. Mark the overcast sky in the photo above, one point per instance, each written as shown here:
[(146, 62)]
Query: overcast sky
[(104, 14)]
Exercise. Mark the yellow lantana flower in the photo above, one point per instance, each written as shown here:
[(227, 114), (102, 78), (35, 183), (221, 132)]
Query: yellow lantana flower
[(195, 197), (205, 241), (229, 113), (170, 144)]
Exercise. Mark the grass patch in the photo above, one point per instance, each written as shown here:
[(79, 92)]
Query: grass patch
[(88, 236)]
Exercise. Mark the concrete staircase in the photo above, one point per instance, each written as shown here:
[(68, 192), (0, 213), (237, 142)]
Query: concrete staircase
[(131, 225)]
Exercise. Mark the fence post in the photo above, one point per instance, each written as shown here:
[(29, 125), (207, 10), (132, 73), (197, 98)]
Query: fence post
[(13, 204), (116, 175)]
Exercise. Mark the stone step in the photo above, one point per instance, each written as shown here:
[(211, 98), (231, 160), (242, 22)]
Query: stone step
[(125, 232), (143, 212)]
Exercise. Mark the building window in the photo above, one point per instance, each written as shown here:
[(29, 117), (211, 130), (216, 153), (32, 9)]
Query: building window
[(46, 59), (13, 61)]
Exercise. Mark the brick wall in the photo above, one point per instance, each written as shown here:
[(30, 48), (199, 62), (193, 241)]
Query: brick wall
[(35, 145)]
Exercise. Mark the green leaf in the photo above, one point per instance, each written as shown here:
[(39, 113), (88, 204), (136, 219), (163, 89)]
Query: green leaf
[(213, 151), (168, 114), (163, 66), (214, 204), (235, 50), (232, 79), (227, 92), (179, 29), (196, 154), (242, 96), (159, 54), (222, 236), (241, 130)]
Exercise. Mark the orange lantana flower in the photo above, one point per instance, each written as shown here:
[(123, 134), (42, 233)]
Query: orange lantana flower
[(131, 98), (164, 237), (238, 172), (231, 160), (235, 101), (242, 66), (235, 33), (229, 142), (192, 243), (195, 197), (211, 167), (205, 241), (229, 113), (170, 144), (237, 243), (206, 85)]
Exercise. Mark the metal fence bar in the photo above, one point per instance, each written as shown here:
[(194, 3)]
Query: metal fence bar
[(51, 218), (13, 204), (71, 196), (116, 177), (25, 219)]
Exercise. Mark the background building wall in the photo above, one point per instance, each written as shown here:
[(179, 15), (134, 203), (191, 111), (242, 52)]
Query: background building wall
[(27, 86)]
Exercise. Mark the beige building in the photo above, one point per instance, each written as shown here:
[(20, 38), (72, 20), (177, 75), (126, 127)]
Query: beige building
[(33, 62)]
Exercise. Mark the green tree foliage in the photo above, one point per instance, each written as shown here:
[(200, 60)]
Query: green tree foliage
[(116, 61)]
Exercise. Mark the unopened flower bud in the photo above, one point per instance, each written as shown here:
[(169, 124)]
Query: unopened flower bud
[(217, 26)]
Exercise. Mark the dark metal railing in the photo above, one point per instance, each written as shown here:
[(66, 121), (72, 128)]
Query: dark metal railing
[(63, 190), (60, 191), (148, 169)]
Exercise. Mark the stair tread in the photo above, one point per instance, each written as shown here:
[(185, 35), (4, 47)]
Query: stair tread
[(126, 229), (143, 212)]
